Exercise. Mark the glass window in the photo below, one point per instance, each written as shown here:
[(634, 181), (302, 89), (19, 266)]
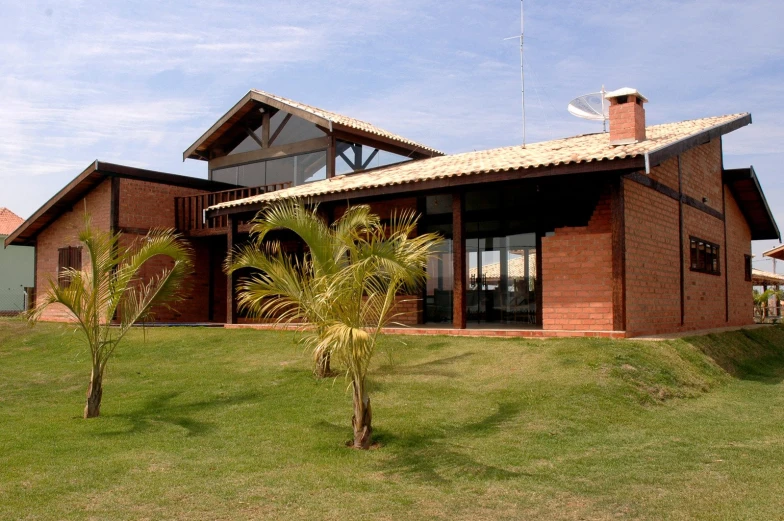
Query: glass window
[(295, 130), (438, 293), (704, 256), (311, 167), (352, 157), (226, 175), (280, 170)]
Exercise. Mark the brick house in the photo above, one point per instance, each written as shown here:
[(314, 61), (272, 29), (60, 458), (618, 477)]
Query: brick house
[(639, 231)]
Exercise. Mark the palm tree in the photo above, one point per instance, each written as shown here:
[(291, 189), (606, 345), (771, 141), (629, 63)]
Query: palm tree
[(762, 299), (344, 288), (111, 287), (326, 245)]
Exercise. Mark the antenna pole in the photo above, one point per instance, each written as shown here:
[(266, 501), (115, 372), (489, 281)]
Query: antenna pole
[(522, 71)]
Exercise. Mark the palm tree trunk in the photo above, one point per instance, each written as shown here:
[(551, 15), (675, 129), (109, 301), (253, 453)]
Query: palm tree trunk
[(323, 369), (94, 393), (362, 417)]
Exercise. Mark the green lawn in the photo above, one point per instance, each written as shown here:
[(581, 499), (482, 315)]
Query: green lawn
[(216, 424)]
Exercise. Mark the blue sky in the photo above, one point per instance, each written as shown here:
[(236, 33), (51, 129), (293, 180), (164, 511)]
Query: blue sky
[(137, 82)]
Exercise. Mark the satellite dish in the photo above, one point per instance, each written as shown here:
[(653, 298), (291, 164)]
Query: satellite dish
[(591, 106)]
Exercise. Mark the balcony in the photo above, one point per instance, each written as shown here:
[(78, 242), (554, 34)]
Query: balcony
[(189, 212)]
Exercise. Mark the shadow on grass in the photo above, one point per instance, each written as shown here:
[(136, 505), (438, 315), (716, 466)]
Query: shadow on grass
[(435, 457), (160, 410), (437, 367), (747, 354)]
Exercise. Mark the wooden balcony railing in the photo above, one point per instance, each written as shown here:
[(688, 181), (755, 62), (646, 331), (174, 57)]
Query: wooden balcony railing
[(189, 211)]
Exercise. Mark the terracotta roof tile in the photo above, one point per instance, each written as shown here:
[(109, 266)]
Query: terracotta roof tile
[(577, 149), (9, 221), (346, 121)]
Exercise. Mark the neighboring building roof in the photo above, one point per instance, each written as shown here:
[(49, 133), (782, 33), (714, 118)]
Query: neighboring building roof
[(9, 221), (91, 177), (745, 187), (776, 253), (324, 118), (590, 152), (759, 277)]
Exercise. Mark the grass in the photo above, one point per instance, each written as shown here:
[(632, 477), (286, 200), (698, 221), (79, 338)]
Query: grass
[(216, 424)]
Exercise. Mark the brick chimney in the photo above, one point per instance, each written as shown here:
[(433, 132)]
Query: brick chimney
[(627, 116)]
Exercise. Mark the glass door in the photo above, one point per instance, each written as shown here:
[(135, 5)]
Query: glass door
[(501, 279)]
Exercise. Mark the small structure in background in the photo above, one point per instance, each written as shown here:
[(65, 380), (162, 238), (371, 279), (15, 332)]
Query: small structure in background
[(16, 268)]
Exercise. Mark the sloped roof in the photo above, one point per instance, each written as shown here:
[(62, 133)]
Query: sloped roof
[(663, 142), (746, 190), (760, 277), (324, 118), (9, 221), (91, 177)]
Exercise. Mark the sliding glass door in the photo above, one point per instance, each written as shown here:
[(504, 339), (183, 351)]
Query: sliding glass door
[(500, 279)]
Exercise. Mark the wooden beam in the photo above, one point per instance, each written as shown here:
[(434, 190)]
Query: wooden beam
[(374, 141), (278, 130), (369, 138), (459, 263), (265, 130), (301, 147), (114, 206), (331, 157), (231, 301), (348, 161), (618, 254), (646, 181), (253, 135), (726, 248), (369, 159), (285, 107), (680, 241)]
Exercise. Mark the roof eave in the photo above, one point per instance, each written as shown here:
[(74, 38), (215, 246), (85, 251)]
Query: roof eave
[(738, 174), (620, 166), (660, 154)]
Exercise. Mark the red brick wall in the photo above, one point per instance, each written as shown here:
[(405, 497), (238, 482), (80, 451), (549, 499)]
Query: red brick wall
[(577, 285), (652, 248), (149, 205), (64, 232), (145, 205), (195, 305), (738, 245)]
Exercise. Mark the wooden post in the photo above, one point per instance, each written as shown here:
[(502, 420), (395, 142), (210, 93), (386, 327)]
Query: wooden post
[(680, 243), (265, 130), (231, 302), (618, 255), (459, 263), (331, 157)]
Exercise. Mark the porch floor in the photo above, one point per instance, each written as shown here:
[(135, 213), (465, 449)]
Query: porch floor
[(481, 330)]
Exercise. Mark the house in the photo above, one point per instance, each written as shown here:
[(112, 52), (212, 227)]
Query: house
[(637, 231), (16, 268)]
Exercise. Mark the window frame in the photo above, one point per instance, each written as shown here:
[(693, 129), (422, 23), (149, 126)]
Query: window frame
[(69, 257), (704, 256), (747, 267)]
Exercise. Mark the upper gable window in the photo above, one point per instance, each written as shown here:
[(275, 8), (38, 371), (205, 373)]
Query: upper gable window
[(293, 130), (353, 157)]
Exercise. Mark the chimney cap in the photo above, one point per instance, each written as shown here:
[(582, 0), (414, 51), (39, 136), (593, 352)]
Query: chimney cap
[(626, 91)]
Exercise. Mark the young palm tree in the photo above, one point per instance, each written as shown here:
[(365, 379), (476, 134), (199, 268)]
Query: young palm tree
[(344, 287), (326, 245), (111, 288)]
